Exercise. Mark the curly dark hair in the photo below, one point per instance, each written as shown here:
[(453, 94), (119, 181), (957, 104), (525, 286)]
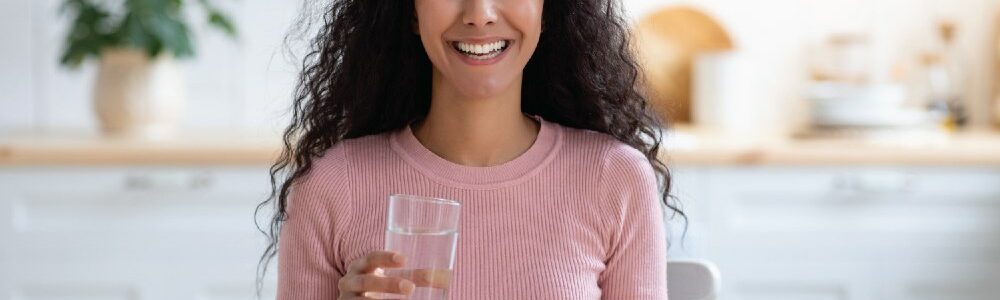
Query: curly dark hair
[(366, 72)]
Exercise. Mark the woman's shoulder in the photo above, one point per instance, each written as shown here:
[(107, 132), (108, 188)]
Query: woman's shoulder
[(608, 156), (617, 167), (340, 154), (333, 167), (601, 146)]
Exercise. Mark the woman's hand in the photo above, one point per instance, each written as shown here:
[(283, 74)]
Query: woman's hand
[(361, 277)]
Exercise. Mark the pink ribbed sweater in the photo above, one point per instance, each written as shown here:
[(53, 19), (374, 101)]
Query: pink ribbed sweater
[(577, 216)]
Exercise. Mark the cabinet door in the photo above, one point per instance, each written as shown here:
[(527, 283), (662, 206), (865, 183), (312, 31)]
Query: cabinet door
[(871, 220), (945, 280), (786, 280), (130, 233), (688, 191)]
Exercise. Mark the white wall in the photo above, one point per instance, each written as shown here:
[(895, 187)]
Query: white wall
[(231, 84), (247, 84)]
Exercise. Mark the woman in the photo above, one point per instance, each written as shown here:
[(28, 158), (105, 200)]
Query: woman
[(527, 112)]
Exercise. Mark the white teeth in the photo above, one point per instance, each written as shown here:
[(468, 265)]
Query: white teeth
[(481, 49)]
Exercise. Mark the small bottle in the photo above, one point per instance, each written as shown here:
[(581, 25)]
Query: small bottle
[(946, 80), (996, 112)]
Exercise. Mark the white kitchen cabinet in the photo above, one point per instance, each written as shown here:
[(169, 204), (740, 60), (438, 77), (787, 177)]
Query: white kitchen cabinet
[(860, 233), (130, 233), (688, 189), (797, 233), (943, 280)]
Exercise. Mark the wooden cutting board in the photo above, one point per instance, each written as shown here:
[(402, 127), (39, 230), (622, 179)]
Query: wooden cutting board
[(668, 40)]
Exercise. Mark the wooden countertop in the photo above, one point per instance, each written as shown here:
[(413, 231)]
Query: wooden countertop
[(88, 149), (972, 148), (685, 146)]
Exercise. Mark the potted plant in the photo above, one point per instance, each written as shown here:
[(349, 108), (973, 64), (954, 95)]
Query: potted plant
[(138, 91)]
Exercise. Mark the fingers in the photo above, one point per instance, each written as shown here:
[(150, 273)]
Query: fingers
[(432, 278), (366, 277), (375, 260), (371, 295), (374, 283), (355, 297)]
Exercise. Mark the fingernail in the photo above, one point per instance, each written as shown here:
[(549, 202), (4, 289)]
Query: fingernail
[(398, 258), (406, 286)]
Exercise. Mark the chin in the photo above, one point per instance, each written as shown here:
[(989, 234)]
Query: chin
[(480, 90)]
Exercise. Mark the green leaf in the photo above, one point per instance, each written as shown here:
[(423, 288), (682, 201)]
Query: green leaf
[(132, 33), (85, 37), (173, 34), (152, 25), (220, 21)]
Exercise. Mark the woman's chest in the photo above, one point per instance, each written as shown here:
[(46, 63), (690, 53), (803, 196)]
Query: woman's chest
[(515, 253)]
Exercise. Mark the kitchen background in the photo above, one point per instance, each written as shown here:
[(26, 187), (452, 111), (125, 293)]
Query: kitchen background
[(815, 163)]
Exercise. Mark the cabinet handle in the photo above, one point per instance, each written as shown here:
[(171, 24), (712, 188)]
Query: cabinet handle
[(875, 183), (168, 182)]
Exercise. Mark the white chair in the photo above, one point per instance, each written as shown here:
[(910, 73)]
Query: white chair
[(692, 279)]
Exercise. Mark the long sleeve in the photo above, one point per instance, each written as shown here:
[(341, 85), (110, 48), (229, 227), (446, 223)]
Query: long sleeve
[(309, 262), (636, 260)]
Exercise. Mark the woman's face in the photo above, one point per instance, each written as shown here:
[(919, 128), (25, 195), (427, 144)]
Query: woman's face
[(479, 46)]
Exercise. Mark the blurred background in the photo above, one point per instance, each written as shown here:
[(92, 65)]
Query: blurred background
[(824, 149)]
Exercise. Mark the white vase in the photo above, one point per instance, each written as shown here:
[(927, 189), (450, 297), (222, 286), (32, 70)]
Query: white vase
[(734, 95), (138, 97)]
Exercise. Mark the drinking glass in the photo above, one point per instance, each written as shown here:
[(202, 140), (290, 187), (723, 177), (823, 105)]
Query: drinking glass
[(425, 230)]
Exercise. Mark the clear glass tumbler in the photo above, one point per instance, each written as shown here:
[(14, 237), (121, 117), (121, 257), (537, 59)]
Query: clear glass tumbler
[(425, 230)]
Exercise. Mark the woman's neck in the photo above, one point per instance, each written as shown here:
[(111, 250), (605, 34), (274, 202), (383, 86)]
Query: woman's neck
[(476, 132)]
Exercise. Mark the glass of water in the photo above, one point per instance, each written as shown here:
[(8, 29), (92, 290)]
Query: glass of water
[(425, 230)]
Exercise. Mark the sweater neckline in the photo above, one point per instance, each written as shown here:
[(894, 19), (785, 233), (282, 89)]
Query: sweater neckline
[(542, 150)]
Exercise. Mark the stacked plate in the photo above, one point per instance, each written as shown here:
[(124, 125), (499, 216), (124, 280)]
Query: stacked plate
[(843, 105)]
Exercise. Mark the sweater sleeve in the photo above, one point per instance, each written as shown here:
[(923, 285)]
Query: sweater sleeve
[(309, 260), (636, 260)]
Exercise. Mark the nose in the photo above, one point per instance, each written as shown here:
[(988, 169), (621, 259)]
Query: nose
[(479, 13)]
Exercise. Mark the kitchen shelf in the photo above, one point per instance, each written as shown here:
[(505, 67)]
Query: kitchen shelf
[(684, 146)]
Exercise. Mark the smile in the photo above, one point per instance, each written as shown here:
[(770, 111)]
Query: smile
[(484, 51)]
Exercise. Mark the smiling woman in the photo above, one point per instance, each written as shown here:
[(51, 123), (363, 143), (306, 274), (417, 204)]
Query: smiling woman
[(527, 112)]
